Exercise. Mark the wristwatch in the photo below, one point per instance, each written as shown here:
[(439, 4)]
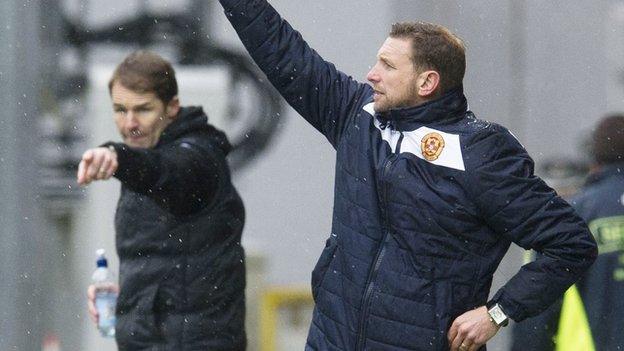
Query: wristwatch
[(497, 316)]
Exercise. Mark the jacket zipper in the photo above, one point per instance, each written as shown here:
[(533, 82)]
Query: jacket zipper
[(370, 281)]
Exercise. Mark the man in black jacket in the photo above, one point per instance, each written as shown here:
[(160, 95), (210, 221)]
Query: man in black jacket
[(591, 313), (428, 198), (178, 221)]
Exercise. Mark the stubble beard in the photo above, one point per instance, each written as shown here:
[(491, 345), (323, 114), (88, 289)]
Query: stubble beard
[(409, 99)]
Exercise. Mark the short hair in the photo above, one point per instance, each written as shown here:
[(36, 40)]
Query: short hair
[(437, 48), (146, 72), (608, 140)]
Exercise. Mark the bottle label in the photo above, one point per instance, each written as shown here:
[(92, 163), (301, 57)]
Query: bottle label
[(105, 302)]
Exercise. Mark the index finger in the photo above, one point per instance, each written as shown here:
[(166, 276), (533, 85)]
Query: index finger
[(80, 175), (87, 158)]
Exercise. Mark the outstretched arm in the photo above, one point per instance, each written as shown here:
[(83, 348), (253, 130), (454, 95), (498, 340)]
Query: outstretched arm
[(182, 177), (324, 96)]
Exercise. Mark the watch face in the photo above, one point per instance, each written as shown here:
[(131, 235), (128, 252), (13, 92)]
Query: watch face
[(497, 315)]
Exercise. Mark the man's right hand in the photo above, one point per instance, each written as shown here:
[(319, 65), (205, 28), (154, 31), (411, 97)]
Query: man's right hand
[(97, 164), (93, 313)]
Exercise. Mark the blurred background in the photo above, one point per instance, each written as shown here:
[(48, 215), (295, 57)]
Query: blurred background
[(546, 70)]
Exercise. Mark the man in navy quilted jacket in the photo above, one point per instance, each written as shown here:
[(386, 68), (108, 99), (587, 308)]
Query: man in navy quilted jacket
[(428, 198)]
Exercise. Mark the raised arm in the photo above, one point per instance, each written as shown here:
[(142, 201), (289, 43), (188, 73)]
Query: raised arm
[(319, 92)]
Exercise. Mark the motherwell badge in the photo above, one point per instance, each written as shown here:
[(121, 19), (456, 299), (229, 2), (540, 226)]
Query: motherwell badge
[(431, 146)]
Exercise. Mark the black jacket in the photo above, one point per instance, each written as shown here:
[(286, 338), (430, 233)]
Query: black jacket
[(416, 235), (601, 203), (178, 225)]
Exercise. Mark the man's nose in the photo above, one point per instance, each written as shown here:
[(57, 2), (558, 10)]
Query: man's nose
[(131, 120), (372, 75)]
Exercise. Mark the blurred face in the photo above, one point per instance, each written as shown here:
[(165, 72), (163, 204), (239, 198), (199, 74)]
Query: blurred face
[(141, 117), (394, 77)]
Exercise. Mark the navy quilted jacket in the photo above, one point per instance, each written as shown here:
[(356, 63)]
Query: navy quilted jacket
[(414, 242)]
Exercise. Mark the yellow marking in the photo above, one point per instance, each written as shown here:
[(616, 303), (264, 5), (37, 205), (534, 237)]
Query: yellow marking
[(272, 299)]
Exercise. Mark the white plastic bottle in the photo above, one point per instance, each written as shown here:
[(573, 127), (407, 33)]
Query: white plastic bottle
[(105, 295)]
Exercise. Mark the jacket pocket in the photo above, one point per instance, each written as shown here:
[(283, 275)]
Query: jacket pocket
[(323, 264), (137, 325)]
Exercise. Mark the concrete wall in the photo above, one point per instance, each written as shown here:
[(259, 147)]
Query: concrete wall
[(24, 253)]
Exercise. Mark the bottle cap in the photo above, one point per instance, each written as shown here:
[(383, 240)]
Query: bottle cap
[(101, 259)]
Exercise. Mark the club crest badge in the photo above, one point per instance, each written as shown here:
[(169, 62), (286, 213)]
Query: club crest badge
[(431, 146)]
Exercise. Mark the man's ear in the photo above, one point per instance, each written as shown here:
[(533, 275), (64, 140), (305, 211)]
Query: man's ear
[(428, 83), (173, 107)]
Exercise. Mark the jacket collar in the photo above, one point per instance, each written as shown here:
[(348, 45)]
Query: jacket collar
[(192, 120), (449, 107)]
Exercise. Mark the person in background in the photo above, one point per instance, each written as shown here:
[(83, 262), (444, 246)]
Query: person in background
[(590, 315), (428, 198), (179, 218)]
